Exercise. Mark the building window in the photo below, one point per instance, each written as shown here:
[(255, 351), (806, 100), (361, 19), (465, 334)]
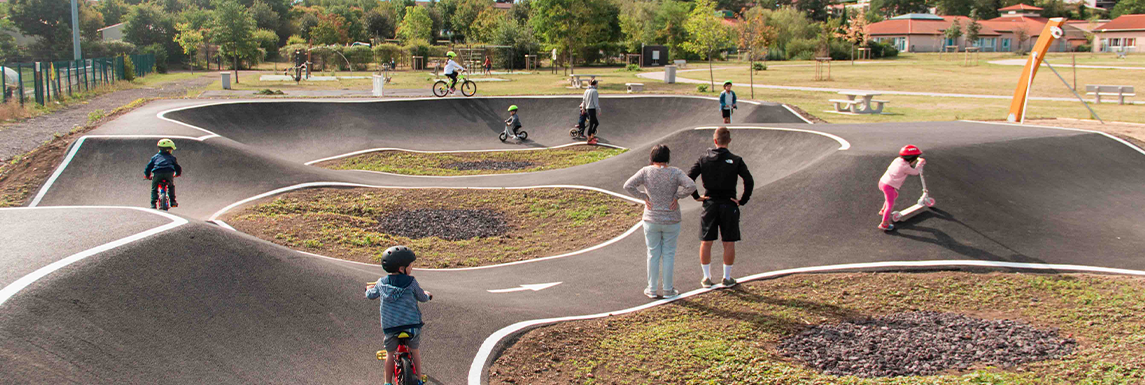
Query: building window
[(1005, 45), (950, 42), (986, 43)]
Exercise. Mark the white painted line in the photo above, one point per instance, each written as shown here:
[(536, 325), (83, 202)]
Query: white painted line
[(484, 354), (223, 225), (215, 217), (796, 113), (163, 115), (843, 143), (533, 287), (359, 152), (15, 287), (76, 147), (1123, 141)]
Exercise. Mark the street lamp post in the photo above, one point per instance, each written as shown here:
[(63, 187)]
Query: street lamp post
[(75, 30)]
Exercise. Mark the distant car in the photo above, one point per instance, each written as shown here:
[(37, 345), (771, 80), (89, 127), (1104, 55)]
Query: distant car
[(358, 43)]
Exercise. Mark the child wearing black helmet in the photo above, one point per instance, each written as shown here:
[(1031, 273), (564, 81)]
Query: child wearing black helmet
[(400, 294)]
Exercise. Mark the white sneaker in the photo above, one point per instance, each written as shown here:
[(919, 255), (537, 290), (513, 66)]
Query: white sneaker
[(651, 294), (671, 293)]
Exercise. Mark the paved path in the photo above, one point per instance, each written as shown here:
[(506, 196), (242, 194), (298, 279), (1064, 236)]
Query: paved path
[(193, 302), (395, 92), (1022, 62), (19, 138)]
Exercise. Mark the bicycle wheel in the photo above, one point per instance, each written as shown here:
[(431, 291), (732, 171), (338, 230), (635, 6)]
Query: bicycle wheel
[(522, 135), (503, 136), (164, 204), (468, 88), (407, 376), (440, 89)]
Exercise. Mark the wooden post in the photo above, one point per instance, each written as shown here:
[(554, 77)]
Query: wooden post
[(1074, 58)]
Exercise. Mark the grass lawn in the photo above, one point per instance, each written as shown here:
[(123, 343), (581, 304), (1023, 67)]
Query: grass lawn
[(909, 72), (345, 223), (729, 336), (476, 163)]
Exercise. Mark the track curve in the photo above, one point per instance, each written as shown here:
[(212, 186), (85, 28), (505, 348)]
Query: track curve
[(199, 303)]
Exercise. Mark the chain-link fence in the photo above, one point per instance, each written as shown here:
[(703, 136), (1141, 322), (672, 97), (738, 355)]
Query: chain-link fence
[(44, 82)]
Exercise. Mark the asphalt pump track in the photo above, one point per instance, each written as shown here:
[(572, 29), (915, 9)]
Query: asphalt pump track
[(97, 290)]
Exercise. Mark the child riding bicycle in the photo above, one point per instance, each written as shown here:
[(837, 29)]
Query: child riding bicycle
[(451, 68), (400, 294), (163, 168), (514, 121)]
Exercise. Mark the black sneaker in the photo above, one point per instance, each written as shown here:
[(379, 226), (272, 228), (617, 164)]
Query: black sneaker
[(729, 282), (153, 206), (706, 282), (174, 204)]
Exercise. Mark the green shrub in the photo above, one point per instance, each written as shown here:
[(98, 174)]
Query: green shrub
[(95, 115), (759, 67), (268, 91), (632, 68), (802, 49), (702, 88), (295, 39), (128, 68), (881, 50), (383, 53), (160, 53), (361, 56), (1085, 47)]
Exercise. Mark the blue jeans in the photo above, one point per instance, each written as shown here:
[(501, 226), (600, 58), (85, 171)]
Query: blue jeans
[(661, 241)]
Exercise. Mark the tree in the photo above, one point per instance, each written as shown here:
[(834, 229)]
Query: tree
[(306, 23), (264, 17), (815, 9), (890, 8), (330, 30), (637, 23), (148, 24), (190, 38), (91, 20), (47, 20), (416, 27), (466, 13), (953, 33), (351, 22), (1053, 8), (706, 33), (233, 30), (519, 35), (378, 24), (1128, 7), (520, 11), (973, 29), (754, 36), (857, 30), (569, 25), (113, 11), (954, 7), (669, 25), (401, 6), (486, 27), (1022, 34)]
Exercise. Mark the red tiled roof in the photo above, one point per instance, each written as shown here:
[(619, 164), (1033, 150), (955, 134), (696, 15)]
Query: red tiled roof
[(1021, 7), (925, 27), (1124, 23)]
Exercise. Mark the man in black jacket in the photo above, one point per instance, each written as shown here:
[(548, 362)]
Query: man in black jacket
[(720, 169)]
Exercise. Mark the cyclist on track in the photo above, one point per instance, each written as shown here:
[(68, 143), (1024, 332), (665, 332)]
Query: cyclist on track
[(163, 167), (451, 68), (400, 294)]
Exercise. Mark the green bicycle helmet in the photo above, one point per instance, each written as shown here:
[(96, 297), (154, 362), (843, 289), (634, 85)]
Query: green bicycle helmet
[(450, 54), (166, 143), (513, 107), (727, 82)]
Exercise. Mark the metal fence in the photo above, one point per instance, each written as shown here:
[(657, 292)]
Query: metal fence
[(44, 82)]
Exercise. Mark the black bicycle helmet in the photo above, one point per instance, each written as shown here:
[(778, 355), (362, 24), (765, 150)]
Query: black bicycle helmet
[(396, 257)]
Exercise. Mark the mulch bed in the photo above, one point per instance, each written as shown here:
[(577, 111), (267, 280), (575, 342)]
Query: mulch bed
[(922, 343), (491, 165), (451, 224)]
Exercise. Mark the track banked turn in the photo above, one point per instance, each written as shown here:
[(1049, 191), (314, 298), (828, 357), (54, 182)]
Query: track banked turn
[(199, 303)]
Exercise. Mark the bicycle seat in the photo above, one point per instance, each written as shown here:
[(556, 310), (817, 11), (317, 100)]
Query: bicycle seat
[(403, 335)]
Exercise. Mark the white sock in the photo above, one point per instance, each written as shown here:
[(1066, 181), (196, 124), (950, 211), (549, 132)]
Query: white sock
[(727, 271), (707, 270)]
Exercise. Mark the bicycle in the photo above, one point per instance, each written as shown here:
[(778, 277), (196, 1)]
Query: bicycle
[(468, 87), (164, 202), (405, 373)]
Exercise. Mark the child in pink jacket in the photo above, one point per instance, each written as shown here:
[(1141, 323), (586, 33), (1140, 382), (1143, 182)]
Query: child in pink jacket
[(908, 163)]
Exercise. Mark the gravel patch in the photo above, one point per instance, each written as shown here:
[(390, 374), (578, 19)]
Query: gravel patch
[(448, 224), (491, 165), (922, 344), (19, 138)]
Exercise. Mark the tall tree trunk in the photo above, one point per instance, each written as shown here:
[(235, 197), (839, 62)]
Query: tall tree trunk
[(751, 71), (711, 76)]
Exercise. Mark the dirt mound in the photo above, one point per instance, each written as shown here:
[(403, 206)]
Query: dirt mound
[(921, 344), (453, 225), (491, 165)]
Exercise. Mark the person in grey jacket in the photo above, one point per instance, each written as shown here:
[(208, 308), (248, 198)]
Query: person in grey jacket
[(663, 187), (590, 102)]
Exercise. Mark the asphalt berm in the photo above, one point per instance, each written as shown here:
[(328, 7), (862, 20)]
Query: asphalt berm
[(922, 344), (449, 224), (491, 165)]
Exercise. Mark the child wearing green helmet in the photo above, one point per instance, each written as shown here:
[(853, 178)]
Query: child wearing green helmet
[(163, 167), (513, 123), (727, 102), (451, 68)]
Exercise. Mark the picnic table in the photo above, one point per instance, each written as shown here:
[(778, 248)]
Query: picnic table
[(576, 79), (859, 102)]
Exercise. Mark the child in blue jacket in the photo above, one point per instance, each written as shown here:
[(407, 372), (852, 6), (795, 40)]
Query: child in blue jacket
[(400, 294), (163, 167), (727, 102)]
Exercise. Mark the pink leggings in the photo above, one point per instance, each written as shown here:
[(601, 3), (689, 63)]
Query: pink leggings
[(891, 193)]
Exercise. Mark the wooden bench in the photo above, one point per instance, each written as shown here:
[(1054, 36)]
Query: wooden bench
[(635, 87), (681, 63), (1121, 92)]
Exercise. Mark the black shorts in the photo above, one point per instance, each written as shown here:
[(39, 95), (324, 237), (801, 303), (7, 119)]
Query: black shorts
[(726, 113), (720, 219)]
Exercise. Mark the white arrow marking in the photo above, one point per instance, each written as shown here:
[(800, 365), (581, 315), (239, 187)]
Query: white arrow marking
[(533, 287)]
